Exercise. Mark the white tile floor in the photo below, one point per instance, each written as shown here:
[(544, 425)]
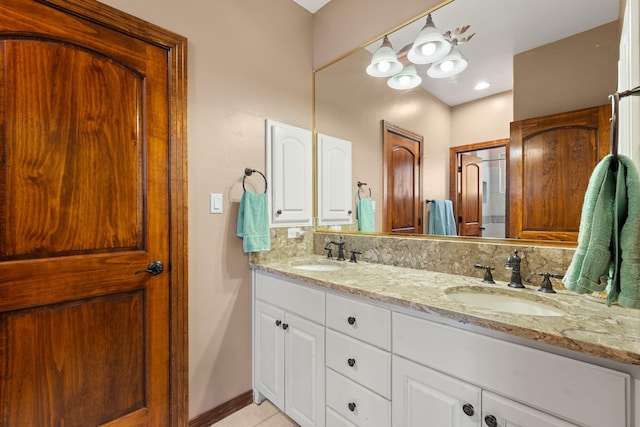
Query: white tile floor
[(263, 415)]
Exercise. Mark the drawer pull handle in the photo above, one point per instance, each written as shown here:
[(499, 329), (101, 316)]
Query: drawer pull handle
[(351, 362), (352, 406), (468, 409), (491, 421), (278, 322), (285, 326), (351, 320)]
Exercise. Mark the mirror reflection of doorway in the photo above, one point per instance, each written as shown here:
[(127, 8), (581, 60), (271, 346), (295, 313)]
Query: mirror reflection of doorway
[(478, 187)]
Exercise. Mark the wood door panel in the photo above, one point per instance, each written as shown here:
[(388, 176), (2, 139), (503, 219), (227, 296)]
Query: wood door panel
[(92, 352), (403, 185), (551, 159), (73, 186), (554, 163)]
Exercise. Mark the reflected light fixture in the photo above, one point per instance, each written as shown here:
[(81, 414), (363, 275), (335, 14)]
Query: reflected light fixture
[(481, 86), (430, 45), (448, 66), (408, 78), (384, 62)]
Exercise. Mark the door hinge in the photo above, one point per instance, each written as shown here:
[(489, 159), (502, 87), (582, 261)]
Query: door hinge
[(459, 168), (459, 219)]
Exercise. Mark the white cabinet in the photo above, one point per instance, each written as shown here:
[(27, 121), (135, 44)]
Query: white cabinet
[(424, 397), (498, 411), (289, 350), (335, 202), (289, 174)]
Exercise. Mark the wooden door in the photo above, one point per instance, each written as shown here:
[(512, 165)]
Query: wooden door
[(470, 196), (551, 159), (403, 204), (87, 135)]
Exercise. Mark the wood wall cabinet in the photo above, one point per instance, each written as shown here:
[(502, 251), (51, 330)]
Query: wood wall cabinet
[(289, 174), (335, 200), (289, 349), (550, 161)]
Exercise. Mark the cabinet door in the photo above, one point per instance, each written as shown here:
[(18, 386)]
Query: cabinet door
[(427, 398), (508, 413), (269, 357), (304, 371), (335, 203), (289, 172)]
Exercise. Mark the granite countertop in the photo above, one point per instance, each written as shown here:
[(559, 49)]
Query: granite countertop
[(586, 326)]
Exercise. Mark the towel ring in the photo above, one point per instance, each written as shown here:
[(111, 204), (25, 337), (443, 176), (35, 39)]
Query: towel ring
[(360, 184), (249, 172)]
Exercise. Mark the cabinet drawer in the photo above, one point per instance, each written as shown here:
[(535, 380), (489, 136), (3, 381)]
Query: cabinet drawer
[(371, 366), (294, 298), (360, 320), (368, 409), (558, 385), (334, 419)]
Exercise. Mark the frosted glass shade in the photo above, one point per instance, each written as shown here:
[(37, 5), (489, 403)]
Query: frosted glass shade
[(384, 62), (448, 66), (408, 78), (430, 45)]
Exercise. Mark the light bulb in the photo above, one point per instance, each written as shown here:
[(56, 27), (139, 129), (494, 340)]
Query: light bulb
[(446, 66), (428, 49), (404, 80), (384, 66)]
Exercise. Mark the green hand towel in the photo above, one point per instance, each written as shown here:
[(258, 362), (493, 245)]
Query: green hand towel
[(253, 222), (625, 287), (592, 258), (441, 219), (366, 221)]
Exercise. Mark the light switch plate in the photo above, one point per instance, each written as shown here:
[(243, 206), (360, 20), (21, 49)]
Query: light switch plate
[(215, 201)]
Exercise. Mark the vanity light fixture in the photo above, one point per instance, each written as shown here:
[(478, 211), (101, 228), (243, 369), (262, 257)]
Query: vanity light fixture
[(430, 45), (384, 62), (408, 78), (448, 66)]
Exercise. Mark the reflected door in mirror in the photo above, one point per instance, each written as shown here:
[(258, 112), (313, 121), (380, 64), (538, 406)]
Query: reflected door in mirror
[(551, 161), (470, 196), (402, 180)]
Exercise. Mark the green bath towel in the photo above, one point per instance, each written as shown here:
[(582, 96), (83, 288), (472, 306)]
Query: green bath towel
[(609, 236), (625, 287), (365, 215), (253, 222), (592, 258)]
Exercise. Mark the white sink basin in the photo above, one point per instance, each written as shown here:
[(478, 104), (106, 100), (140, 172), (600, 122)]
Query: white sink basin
[(505, 302), (318, 267)]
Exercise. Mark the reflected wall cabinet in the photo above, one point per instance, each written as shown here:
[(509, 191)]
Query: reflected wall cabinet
[(289, 173), (335, 204)]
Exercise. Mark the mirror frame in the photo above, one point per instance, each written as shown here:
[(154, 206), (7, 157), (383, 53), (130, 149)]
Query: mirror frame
[(452, 152)]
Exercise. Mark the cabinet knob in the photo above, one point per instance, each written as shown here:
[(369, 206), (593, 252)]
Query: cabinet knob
[(349, 212), (285, 326), (491, 421), (278, 322), (468, 409), (351, 362), (352, 406), (279, 212), (351, 320)]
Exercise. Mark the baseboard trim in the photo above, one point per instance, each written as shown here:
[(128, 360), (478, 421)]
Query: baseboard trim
[(221, 411)]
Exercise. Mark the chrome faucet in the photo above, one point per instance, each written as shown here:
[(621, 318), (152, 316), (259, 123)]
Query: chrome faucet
[(513, 264)]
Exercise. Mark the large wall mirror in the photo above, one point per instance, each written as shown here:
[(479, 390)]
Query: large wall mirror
[(539, 57)]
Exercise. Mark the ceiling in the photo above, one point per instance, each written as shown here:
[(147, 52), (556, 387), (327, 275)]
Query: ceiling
[(503, 28)]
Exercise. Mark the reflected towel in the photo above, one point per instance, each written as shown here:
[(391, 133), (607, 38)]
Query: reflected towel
[(253, 222), (441, 219), (366, 221)]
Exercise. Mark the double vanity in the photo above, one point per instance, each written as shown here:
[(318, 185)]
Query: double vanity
[(365, 344)]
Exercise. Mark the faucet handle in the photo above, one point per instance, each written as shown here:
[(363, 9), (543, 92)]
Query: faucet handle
[(353, 256), (488, 276), (547, 286), (328, 249)]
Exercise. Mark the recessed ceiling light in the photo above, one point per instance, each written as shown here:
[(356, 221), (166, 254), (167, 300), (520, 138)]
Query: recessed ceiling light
[(481, 86)]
